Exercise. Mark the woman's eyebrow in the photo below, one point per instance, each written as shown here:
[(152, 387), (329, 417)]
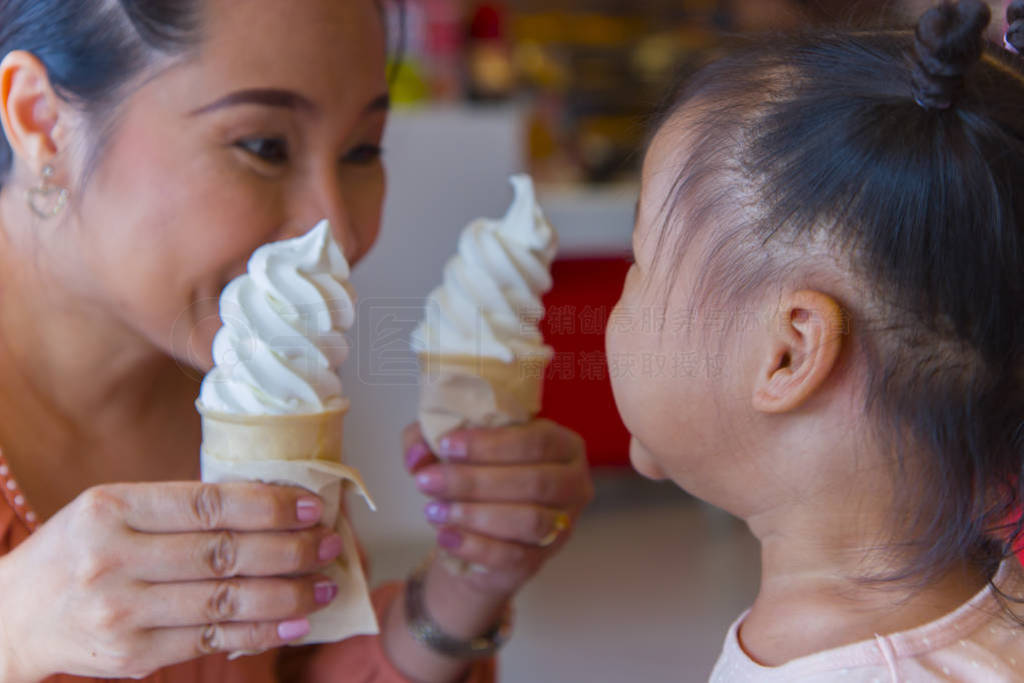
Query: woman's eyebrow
[(269, 97), (274, 97)]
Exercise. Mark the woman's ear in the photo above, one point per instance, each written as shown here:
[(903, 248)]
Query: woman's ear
[(29, 109), (801, 351)]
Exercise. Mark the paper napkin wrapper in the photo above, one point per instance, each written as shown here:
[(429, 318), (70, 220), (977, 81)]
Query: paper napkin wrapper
[(299, 450), (458, 392)]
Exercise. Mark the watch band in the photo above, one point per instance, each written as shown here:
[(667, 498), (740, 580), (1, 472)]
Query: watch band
[(426, 631)]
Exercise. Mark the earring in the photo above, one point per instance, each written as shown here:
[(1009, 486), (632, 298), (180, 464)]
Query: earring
[(1008, 45), (47, 200)]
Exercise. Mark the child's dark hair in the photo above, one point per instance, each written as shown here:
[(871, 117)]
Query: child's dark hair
[(904, 152)]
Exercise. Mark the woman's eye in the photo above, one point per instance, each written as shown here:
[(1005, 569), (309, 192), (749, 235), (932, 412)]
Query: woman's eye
[(270, 150), (363, 155)]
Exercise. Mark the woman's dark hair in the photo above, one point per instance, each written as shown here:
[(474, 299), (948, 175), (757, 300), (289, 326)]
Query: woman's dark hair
[(902, 151), (93, 48)]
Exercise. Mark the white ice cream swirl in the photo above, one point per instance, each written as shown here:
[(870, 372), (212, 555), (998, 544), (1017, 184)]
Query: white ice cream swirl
[(282, 339), (489, 304)]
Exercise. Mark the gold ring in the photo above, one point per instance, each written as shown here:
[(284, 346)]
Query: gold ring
[(560, 525)]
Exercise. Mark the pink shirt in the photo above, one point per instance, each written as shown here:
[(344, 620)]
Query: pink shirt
[(977, 642)]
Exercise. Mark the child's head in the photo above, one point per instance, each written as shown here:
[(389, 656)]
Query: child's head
[(832, 226)]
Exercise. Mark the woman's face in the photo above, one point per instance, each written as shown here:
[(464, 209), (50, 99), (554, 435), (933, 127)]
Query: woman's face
[(273, 124)]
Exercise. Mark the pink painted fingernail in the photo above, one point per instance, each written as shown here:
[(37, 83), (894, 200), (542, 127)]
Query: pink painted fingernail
[(330, 547), (308, 510), (431, 481), (453, 447), (438, 513), (324, 592), (449, 539), (290, 630), (416, 455)]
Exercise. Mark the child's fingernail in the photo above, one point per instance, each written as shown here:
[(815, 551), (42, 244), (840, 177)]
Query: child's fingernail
[(416, 455), (324, 592), (449, 539), (296, 628), (453, 447), (308, 510), (430, 482), (438, 513)]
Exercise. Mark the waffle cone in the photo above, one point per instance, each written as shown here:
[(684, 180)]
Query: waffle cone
[(309, 436), (460, 391)]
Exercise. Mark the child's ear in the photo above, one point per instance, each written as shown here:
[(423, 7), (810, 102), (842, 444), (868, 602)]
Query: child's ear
[(801, 351), (28, 108)]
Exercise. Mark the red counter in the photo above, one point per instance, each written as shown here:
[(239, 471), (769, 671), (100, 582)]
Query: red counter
[(577, 392)]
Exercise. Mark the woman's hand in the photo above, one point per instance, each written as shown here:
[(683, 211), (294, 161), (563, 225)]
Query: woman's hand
[(504, 502), (505, 498), (129, 578)]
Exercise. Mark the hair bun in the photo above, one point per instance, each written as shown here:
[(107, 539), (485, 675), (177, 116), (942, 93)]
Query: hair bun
[(1015, 22), (949, 40)]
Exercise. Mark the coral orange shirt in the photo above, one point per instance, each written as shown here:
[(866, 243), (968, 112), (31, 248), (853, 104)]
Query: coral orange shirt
[(359, 659)]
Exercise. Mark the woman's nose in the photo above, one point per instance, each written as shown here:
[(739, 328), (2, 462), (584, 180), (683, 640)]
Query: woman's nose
[(347, 239), (325, 200)]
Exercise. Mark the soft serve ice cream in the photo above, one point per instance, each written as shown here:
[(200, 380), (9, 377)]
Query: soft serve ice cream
[(283, 335), (490, 301), (482, 356), (272, 407)]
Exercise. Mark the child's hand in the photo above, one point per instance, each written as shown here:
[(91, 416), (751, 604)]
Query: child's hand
[(505, 498)]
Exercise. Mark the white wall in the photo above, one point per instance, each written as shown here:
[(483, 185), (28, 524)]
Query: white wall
[(446, 167)]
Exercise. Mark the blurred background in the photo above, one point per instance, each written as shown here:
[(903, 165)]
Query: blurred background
[(566, 90), (589, 73)]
